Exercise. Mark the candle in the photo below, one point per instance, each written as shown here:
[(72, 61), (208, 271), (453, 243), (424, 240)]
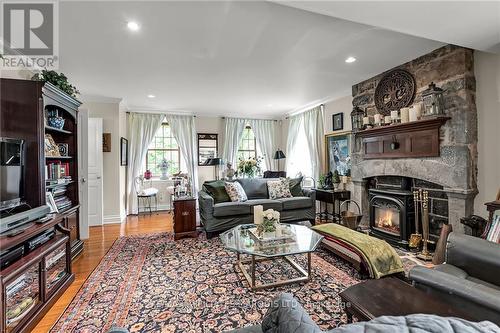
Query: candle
[(405, 115), (394, 115), (418, 110), (257, 214), (387, 119), (366, 120), (413, 114), (378, 119)]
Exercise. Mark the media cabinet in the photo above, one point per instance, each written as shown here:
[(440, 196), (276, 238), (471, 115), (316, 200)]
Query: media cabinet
[(31, 284)]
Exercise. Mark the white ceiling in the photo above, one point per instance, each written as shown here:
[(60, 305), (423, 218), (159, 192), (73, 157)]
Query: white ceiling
[(473, 24), (254, 59)]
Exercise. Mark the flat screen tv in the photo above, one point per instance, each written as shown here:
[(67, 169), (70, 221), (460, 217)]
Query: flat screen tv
[(11, 172)]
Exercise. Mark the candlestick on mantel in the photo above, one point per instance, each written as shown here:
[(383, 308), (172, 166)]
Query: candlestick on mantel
[(405, 115), (394, 116), (378, 119), (258, 215)]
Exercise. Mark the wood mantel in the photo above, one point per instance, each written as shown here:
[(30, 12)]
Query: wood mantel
[(413, 139)]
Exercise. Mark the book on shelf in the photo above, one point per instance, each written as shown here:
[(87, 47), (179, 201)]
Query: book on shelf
[(56, 170)]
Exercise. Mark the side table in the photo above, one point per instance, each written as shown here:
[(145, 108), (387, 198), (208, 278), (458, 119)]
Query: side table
[(185, 217), (334, 197)]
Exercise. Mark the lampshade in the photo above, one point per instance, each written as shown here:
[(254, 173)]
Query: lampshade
[(279, 155), (213, 161)]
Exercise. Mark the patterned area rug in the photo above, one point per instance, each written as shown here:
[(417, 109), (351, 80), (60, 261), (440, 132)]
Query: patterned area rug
[(151, 283)]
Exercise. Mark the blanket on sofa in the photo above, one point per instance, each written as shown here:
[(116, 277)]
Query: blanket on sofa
[(380, 256)]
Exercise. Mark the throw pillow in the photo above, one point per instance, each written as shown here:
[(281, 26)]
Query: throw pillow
[(217, 190), (279, 189), (235, 192), (296, 186)]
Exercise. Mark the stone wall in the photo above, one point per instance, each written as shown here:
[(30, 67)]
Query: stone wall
[(451, 68)]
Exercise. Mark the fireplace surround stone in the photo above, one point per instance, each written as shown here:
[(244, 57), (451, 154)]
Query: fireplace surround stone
[(455, 170)]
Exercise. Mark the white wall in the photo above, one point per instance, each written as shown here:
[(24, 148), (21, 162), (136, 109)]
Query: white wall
[(344, 105), (113, 175), (487, 72)]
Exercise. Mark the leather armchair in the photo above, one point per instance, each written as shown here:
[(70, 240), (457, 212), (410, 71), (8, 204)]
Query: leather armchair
[(470, 276)]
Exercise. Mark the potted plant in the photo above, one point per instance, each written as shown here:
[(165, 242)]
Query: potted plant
[(267, 229), (58, 79), (249, 168)]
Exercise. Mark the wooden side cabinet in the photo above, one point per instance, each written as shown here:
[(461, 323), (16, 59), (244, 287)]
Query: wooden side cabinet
[(185, 218)]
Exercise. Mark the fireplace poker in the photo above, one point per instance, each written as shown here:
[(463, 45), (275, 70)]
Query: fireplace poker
[(425, 254), (416, 238)]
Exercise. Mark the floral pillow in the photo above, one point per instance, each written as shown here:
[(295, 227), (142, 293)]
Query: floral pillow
[(235, 192), (279, 189)]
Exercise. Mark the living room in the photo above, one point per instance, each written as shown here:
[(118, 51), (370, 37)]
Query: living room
[(250, 166)]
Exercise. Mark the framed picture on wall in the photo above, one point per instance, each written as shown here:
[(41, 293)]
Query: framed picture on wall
[(338, 152), (338, 121), (207, 147), (123, 152)]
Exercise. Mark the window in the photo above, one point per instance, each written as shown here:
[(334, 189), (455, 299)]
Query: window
[(247, 148), (298, 160), (163, 146)]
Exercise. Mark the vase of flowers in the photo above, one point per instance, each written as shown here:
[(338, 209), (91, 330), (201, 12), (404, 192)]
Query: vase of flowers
[(163, 166), (249, 168), (270, 220)]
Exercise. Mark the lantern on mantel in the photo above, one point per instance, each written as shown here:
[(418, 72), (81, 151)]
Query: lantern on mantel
[(432, 99), (357, 115)]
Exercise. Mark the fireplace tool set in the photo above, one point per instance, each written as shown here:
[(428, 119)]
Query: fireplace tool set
[(421, 202)]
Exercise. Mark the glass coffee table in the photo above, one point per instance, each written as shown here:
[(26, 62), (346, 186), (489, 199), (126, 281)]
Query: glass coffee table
[(250, 250)]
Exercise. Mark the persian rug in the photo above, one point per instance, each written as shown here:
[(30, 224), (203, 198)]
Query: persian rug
[(152, 283)]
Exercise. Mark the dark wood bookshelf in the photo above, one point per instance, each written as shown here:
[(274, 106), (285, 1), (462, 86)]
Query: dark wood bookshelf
[(58, 130), (23, 111), (58, 157)]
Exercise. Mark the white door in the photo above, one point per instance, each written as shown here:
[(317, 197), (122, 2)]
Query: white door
[(83, 136), (95, 172)]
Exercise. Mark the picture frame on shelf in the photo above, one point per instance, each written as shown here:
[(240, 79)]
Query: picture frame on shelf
[(338, 152), (63, 149), (123, 152), (207, 147), (338, 121), (49, 198)]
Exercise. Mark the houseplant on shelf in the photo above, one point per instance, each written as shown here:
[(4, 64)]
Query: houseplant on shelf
[(58, 79), (336, 179), (249, 168)]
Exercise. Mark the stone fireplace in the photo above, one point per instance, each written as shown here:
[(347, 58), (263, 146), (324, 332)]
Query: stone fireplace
[(450, 177)]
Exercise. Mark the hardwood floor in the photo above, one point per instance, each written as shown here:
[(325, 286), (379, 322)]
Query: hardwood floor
[(98, 244)]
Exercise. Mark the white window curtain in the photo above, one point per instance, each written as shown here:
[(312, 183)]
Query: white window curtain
[(142, 129), (233, 131), (313, 126), (184, 130), (305, 143), (265, 134)]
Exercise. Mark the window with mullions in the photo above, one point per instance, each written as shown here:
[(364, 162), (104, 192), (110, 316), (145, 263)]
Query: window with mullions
[(163, 146), (248, 147)]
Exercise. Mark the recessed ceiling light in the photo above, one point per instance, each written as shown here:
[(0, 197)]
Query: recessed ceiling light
[(151, 96), (350, 59), (134, 26)]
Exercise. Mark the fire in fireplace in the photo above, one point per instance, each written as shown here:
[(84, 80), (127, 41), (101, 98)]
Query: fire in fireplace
[(387, 219), (391, 215)]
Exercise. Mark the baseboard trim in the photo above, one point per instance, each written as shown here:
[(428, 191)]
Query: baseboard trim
[(112, 219)]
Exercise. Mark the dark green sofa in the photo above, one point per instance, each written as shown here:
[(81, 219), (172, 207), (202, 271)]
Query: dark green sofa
[(218, 217)]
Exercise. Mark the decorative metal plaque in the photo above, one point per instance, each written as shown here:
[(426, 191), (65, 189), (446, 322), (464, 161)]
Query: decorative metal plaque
[(396, 90)]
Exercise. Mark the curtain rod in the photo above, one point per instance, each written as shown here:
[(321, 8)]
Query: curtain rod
[(253, 119), (321, 105), (129, 112)]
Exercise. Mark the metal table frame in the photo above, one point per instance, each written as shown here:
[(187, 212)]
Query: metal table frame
[(250, 276)]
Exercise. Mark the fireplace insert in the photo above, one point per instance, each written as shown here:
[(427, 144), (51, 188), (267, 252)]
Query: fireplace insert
[(392, 215)]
